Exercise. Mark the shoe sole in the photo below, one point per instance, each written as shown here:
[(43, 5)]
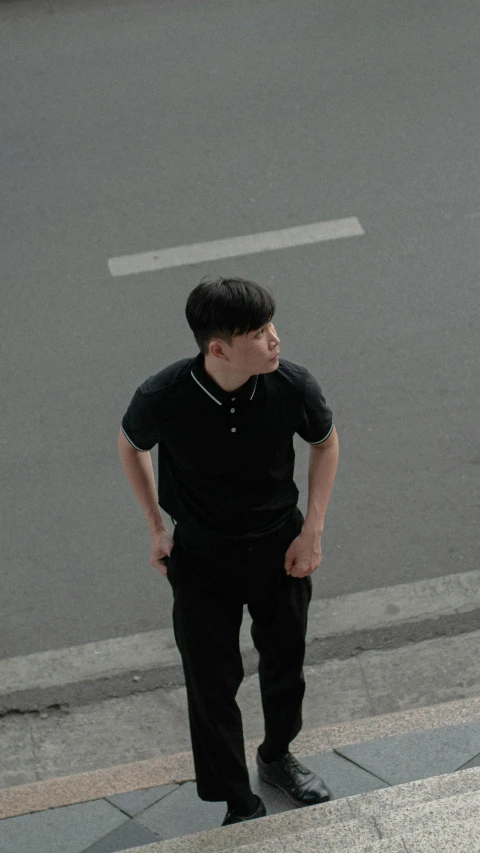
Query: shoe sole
[(295, 802)]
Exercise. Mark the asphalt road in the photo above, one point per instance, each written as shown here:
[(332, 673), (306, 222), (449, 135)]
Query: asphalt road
[(128, 127)]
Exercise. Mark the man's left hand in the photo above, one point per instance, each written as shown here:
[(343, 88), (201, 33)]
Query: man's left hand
[(304, 555)]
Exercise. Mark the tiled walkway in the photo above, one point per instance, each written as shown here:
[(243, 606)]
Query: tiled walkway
[(127, 820)]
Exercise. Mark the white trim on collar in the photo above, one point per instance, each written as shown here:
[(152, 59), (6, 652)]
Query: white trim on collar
[(255, 388), (211, 395), (204, 389)]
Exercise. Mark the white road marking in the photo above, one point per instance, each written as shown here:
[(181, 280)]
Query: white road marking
[(250, 244)]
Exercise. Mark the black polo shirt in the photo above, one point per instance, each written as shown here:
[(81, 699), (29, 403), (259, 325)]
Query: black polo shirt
[(226, 459)]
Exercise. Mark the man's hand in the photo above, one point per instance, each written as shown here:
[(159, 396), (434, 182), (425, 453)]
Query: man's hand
[(162, 544), (304, 555)]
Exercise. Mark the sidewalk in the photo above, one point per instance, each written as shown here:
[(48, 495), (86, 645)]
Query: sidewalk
[(389, 717), (62, 740), (349, 758)]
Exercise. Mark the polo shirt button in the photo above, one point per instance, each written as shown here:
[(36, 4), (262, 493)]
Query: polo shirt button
[(234, 429)]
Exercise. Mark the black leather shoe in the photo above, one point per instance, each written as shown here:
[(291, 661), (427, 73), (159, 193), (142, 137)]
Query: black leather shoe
[(231, 817), (301, 785)]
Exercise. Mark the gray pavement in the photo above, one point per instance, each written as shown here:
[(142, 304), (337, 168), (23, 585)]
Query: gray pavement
[(75, 739), (171, 811), (128, 128), (59, 743)]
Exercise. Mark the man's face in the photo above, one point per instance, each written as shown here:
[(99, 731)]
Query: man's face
[(255, 351)]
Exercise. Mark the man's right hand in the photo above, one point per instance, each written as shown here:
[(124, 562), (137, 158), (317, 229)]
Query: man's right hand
[(162, 544)]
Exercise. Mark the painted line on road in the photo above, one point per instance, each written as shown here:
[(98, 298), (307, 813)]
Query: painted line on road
[(249, 244), (375, 608)]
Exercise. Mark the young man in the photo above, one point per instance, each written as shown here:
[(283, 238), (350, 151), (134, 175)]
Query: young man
[(224, 423)]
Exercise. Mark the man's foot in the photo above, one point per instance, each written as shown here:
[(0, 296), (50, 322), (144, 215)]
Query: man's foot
[(232, 817), (301, 785)]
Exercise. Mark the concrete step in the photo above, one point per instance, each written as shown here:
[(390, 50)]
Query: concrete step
[(421, 829), (266, 835), (436, 816), (411, 817), (457, 837)]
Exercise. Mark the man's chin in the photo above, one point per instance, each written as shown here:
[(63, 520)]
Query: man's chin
[(272, 364)]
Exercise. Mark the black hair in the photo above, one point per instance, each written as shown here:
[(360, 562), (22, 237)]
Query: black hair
[(226, 307)]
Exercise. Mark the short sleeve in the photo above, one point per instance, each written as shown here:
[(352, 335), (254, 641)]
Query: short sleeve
[(139, 425), (317, 421)]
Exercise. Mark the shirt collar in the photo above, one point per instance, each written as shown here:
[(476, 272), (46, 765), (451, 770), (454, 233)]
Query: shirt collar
[(245, 393)]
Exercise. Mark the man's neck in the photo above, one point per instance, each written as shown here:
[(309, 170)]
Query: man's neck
[(225, 381)]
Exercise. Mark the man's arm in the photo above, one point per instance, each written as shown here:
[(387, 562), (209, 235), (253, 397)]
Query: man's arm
[(138, 467), (321, 477)]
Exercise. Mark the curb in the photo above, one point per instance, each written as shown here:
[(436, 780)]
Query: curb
[(340, 625)]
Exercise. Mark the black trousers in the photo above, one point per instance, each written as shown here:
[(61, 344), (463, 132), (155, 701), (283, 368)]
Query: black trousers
[(209, 591)]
